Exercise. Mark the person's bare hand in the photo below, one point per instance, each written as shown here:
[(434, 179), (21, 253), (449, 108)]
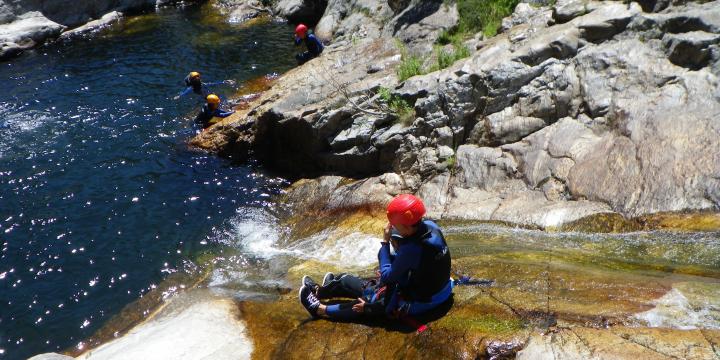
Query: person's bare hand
[(360, 307), (386, 233)]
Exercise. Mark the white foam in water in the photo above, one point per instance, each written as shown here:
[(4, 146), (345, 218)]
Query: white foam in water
[(356, 249), (14, 123), (674, 310), (258, 233), (221, 277), (204, 330)]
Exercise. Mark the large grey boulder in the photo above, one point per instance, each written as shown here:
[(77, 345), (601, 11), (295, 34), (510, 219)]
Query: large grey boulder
[(26, 31), (95, 25), (27, 23), (693, 49), (353, 19), (420, 24), (238, 11), (58, 11), (301, 11)]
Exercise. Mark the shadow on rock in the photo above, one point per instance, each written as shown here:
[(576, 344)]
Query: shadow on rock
[(405, 325)]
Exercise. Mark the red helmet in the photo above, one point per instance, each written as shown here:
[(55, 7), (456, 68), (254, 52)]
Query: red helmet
[(301, 30), (405, 209)]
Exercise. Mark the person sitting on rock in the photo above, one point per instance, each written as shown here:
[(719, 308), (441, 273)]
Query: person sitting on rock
[(312, 43), (414, 280), (211, 112), (194, 84)]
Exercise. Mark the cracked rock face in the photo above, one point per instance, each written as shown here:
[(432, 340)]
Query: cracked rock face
[(610, 110)]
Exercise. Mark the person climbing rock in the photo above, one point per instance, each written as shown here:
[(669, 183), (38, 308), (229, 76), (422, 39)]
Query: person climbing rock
[(194, 84), (312, 43), (210, 111), (413, 281)]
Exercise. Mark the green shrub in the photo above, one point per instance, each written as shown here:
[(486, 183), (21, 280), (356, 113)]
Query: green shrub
[(450, 36), (482, 15), (410, 66), (446, 59), (397, 105)]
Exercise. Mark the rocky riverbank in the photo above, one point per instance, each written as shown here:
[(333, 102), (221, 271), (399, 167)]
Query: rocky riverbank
[(25, 24), (577, 109), (582, 115)]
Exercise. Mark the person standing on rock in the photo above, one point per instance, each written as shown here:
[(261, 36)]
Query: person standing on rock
[(194, 84), (210, 111), (413, 281), (312, 43)]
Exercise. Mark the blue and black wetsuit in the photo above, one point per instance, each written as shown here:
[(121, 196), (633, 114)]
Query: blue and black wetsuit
[(420, 269), (207, 114), (314, 48), (198, 87), (417, 278)]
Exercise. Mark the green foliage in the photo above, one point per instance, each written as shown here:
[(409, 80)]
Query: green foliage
[(451, 161), (482, 15), (397, 105), (365, 11), (446, 59), (410, 65), (450, 36)]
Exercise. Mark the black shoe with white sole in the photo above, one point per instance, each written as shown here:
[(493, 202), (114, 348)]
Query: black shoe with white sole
[(309, 300)]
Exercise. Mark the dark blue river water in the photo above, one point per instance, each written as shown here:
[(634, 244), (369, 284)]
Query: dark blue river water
[(100, 197)]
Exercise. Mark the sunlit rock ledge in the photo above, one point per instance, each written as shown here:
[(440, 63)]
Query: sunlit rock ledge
[(193, 325)]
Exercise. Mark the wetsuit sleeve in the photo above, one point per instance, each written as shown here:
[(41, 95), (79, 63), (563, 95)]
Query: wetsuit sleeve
[(186, 91), (394, 271), (214, 83), (223, 114)]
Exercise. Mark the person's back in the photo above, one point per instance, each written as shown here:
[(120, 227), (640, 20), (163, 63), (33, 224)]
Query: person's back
[(430, 272), (313, 44)]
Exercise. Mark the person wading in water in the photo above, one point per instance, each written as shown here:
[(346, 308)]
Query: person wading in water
[(211, 111)]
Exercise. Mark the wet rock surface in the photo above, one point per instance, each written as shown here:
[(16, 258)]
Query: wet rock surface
[(572, 296), (643, 295), (543, 125)]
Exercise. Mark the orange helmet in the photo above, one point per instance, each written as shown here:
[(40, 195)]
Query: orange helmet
[(213, 99)]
